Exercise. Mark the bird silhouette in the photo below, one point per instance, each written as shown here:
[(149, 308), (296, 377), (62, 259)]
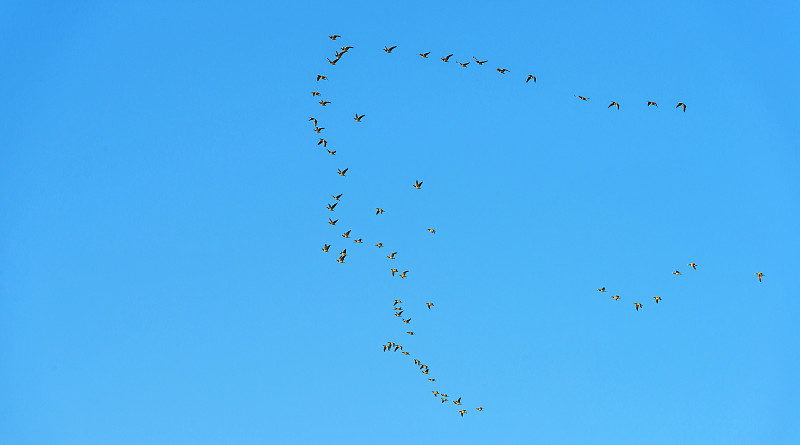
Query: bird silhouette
[(612, 104), (389, 50), (530, 76), (681, 104), (424, 55)]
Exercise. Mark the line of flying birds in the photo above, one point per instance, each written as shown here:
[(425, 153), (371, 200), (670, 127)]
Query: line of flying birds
[(392, 346)]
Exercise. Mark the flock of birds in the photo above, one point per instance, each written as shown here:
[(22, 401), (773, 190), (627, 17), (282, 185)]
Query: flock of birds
[(398, 310)]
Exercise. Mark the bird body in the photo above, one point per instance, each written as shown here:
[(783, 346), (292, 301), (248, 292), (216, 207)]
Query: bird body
[(378, 211), (447, 58), (389, 50), (650, 102), (424, 55), (582, 98), (479, 62), (531, 77), (612, 104), (403, 275), (681, 104), (759, 275), (502, 70), (657, 299), (694, 266), (324, 102), (358, 118), (342, 172), (417, 184), (325, 247), (431, 230), (321, 77), (637, 305)]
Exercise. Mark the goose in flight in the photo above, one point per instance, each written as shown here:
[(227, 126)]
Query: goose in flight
[(324, 102), (321, 77), (337, 196), (650, 102), (759, 275), (424, 55), (502, 70), (325, 247), (479, 62), (447, 58), (334, 37), (396, 302), (342, 172), (429, 305), (582, 98), (393, 271), (341, 260), (602, 289), (462, 412), (417, 184), (315, 93), (616, 297), (379, 245), (318, 129), (358, 118), (391, 257), (637, 305), (464, 65), (694, 266), (322, 142), (333, 62), (314, 120), (332, 221), (389, 50), (332, 152), (378, 211), (530, 76), (331, 207), (676, 273), (346, 234), (613, 104), (681, 104), (403, 275), (657, 299)]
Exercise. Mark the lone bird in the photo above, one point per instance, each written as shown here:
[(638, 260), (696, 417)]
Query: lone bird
[(602, 289), (321, 77), (429, 305), (341, 259), (333, 62), (346, 48), (431, 230), (759, 274), (334, 37), (463, 411), (464, 65), (342, 172), (502, 70), (343, 252), (424, 55), (391, 257), (379, 245), (403, 275), (417, 184), (582, 98), (447, 58), (331, 207), (332, 153), (337, 196), (457, 402), (325, 247), (657, 299), (378, 211), (676, 273), (432, 380), (681, 104), (410, 332), (406, 321), (358, 118), (650, 102), (637, 305), (314, 120), (318, 129), (315, 93), (479, 62), (358, 241), (396, 302), (530, 76), (616, 297), (612, 104), (480, 408), (324, 102), (389, 50), (332, 221), (322, 142), (694, 266), (346, 234), (393, 271)]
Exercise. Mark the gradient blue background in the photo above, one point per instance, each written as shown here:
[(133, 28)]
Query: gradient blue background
[(162, 209)]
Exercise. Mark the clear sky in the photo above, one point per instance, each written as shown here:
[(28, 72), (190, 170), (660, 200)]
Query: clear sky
[(162, 210)]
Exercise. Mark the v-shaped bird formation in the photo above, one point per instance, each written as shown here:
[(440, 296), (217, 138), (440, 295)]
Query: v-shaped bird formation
[(395, 257)]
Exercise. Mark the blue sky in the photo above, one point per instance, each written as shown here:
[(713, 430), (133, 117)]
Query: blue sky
[(163, 209)]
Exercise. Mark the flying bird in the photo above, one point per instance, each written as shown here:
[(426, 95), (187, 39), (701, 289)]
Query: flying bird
[(324, 102), (429, 305), (616, 297), (424, 55), (389, 50), (393, 271), (657, 299), (650, 102), (396, 302), (378, 211), (358, 118), (602, 289), (759, 274), (321, 77), (341, 259), (334, 37), (332, 221), (313, 120), (358, 241), (379, 245), (315, 93), (342, 172), (462, 412), (694, 266), (406, 321), (391, 257), (681, 104), (346, 234), (410, 332), (431, 230), (325, 247), (333, 153), (417, 184), (346, 48), (582, 98), (502, 70), (612, 104), (403, 275), (323, 142), (480, 408), (457, 402), (333, 62), (530, 76), (676, 273), (447, 58), (331, 207), (637, 305), (462, 64), (343, 252), (432, 380), (479, 62), (337, 196), (318, 129)]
